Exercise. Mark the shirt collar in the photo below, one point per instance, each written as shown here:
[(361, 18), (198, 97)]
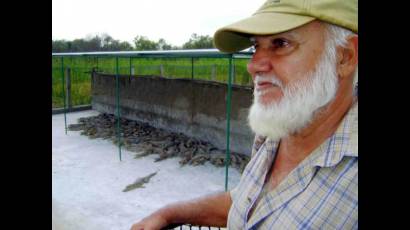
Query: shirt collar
[(344, 142)]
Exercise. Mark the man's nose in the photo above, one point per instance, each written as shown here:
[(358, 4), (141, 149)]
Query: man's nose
[(260, 63)]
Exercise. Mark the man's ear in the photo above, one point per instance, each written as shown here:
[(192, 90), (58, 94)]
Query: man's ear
[(347, 57)]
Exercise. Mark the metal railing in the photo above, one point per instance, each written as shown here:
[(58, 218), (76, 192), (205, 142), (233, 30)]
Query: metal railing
[(190, 227), (128, 62)]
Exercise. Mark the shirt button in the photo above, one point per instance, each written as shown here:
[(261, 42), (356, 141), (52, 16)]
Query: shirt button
[(249, 199)]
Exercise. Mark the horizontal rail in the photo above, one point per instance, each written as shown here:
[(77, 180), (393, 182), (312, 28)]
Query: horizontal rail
[(161, 54)]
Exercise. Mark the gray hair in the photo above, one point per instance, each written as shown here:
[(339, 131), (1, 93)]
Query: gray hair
[(338, 37)]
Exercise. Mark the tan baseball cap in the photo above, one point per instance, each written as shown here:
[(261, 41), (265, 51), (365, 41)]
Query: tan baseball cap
[(277, 16)]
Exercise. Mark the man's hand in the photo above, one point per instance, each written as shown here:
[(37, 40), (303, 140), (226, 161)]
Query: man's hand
[(210, 210), (152, 222)]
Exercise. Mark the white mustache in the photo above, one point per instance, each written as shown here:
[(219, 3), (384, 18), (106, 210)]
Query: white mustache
[(272, 79)]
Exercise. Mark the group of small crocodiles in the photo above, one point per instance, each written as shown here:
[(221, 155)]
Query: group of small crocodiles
[(144, 139)]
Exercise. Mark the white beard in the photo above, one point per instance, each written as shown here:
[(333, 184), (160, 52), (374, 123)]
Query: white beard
[(300, 102)]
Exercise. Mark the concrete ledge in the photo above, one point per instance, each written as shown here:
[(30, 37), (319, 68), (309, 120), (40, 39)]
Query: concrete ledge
[(73, 109), (193, 107)]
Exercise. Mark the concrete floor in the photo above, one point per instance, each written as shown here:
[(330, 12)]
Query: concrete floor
[(88, 179)]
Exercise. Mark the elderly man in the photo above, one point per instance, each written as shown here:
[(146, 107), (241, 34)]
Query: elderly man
[(304, 166)]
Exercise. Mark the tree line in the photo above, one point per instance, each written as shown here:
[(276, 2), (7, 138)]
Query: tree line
[(105, 42)]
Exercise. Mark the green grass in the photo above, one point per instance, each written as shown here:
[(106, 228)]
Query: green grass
[(80, 87), (212, 69)]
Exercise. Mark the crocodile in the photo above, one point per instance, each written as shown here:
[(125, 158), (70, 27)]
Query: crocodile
[(139, 183)]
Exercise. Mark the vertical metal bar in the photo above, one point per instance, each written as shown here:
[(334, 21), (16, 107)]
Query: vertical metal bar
[(118, 106), (213, 72), (228, 123), (234, 74), (161, 70), (130, 67), (68, 89), (62, 80), (192, 68)]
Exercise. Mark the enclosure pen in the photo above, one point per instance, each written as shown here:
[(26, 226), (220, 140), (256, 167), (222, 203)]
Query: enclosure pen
[(137, 55)]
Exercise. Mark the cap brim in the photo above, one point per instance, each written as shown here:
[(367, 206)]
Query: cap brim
[(235, 37)]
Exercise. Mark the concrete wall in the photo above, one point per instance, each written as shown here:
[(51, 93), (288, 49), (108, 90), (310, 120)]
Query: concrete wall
[(193, 107)]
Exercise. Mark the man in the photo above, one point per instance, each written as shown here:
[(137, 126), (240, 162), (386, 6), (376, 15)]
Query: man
[(303, 171)]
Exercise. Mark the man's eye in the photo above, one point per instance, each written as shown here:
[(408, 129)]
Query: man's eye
[(280, 43)]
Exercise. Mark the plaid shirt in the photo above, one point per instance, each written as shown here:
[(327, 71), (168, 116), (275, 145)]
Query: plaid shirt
[(320, 193)]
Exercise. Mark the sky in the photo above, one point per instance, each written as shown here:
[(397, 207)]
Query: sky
[(173, 20)]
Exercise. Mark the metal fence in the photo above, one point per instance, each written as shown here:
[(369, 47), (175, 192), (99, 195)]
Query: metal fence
[(71, 75), (192, 227), (208, 65)]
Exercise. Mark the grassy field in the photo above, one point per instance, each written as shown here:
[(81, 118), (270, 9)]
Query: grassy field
[(213, 69)]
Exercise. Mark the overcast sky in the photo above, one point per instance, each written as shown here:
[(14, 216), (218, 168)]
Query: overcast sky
[(173, 20)]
